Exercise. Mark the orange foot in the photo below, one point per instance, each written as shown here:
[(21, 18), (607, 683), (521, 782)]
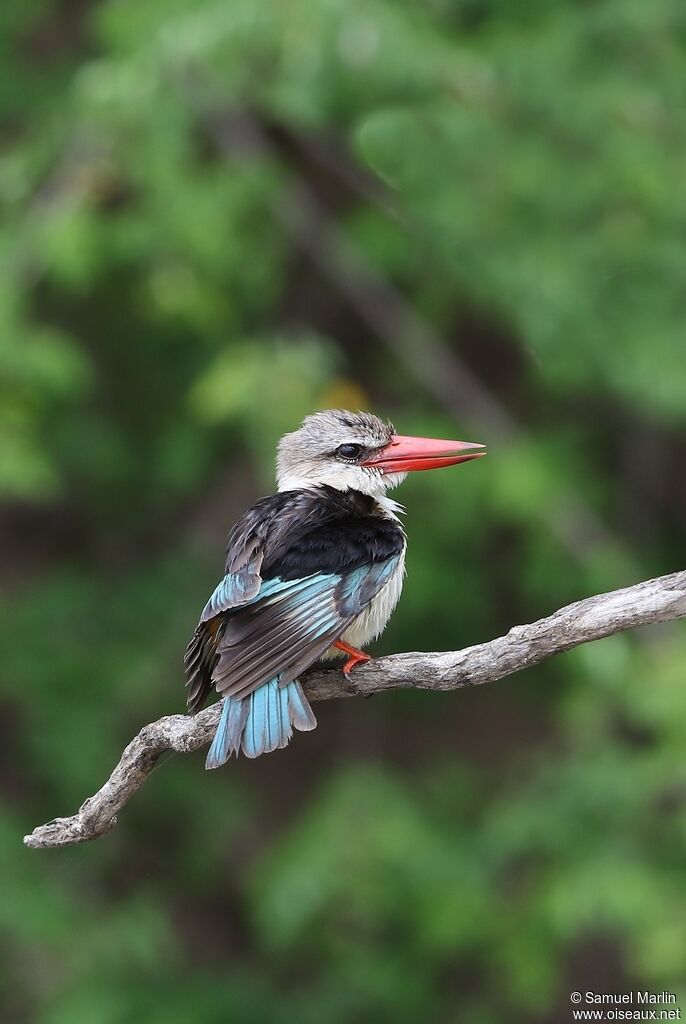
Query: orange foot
[(356, 657)]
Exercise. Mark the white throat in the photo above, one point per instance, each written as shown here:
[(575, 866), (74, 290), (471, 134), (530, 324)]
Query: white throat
[(316, 473)]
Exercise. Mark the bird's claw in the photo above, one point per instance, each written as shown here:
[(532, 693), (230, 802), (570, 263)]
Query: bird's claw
[(355, 657), (354, 660)]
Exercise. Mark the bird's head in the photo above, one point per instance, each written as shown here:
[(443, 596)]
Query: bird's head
[(358, 451)]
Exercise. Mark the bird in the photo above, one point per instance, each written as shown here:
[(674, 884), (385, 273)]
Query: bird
[(313, 572)]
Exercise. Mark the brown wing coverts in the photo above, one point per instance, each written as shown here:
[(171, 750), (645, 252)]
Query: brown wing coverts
[(280, 635)]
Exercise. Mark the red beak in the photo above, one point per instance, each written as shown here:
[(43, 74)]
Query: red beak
[(411, 453)]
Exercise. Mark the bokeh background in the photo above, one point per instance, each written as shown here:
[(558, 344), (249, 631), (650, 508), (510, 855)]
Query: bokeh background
[(217, 216)]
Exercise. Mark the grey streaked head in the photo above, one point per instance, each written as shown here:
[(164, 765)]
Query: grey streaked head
[(329, 448)]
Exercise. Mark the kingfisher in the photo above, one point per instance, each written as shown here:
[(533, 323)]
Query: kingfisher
[(312, 573)]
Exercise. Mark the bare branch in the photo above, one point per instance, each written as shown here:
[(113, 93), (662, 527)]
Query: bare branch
[(658, 600)]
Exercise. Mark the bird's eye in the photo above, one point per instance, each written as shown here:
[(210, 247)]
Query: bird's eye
[(349, 451)]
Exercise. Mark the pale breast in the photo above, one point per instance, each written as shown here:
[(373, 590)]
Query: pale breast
[(372, 621)]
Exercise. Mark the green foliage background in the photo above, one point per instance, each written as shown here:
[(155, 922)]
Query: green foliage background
[(513, 174)]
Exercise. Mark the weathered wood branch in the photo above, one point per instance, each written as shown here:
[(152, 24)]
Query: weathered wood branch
[(658, 600)]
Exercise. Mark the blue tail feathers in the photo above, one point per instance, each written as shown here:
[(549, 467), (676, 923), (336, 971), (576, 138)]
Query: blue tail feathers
[(260, 723), (227, 738)]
